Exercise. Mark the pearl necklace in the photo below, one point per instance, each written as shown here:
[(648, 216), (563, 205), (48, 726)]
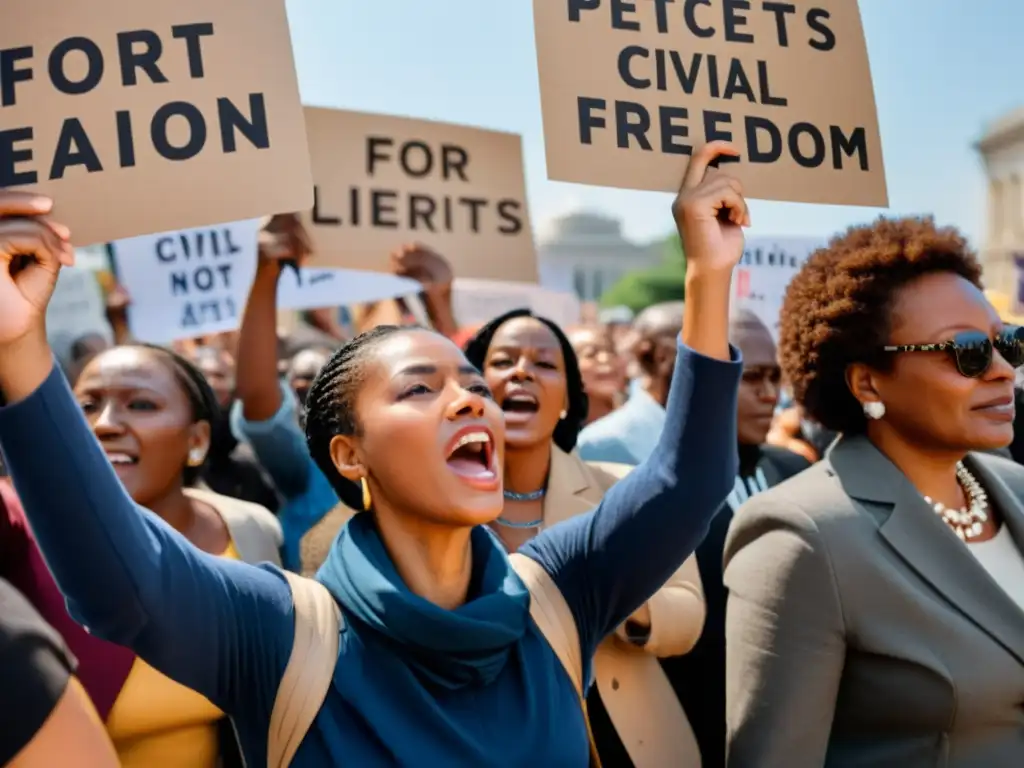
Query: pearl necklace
[(966, 522)]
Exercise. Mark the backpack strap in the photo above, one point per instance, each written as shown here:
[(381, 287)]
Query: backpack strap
[(307, 678), (555, 621)]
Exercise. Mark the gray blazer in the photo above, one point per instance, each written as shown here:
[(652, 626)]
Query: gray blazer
[(859, 630)]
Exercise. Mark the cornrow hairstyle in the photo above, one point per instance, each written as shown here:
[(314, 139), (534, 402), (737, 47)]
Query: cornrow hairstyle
[(201, 397), (568, 429), (330, 406)]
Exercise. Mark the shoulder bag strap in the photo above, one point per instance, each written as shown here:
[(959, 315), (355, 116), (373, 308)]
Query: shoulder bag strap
[(555, 621), (307, 678)]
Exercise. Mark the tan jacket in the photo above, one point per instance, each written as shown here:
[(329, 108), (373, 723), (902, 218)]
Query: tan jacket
[(636, 693), (641, 704), (255, 532)]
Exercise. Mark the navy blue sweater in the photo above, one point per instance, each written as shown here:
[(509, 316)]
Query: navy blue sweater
[(225, 628)]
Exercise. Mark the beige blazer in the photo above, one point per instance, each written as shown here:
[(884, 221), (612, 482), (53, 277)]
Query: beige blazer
[(641, 704), (255, 532), (861, 632)]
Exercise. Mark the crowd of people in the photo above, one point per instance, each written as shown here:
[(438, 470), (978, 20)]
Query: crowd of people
[(643, 541)]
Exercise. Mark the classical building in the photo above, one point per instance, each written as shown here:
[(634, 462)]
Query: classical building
[(586, 253), (1002, 150)]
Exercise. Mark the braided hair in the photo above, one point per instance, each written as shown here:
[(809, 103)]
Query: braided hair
[(330, 406), (568, 429), (201, 397)]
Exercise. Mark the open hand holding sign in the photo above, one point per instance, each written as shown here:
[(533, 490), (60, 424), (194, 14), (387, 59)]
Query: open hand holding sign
[(424, 265), (282, 238), (32, 250)]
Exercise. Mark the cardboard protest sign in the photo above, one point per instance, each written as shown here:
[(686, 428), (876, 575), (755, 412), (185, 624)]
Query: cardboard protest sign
[(383, 181), (146, 117), (630, 88), (760, 280)]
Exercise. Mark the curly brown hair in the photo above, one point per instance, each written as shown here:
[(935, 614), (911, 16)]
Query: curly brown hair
[(837, 308)]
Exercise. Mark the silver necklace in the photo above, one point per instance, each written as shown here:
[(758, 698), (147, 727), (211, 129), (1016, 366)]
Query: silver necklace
[(531, 496), (966, 522), (520, 526)]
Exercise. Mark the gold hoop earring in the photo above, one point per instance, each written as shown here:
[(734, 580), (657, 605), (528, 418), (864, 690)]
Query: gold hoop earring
[(367, 499)]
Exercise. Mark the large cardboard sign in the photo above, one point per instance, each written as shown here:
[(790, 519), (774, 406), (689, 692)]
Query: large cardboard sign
[(630, 88), (140, 117), (382, 181)]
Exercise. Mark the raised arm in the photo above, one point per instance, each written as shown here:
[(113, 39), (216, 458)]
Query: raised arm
[(220, 627), (608, 562)]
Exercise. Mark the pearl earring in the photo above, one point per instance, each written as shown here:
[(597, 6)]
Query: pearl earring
[(874, 410), (195, 458), (562, 415)]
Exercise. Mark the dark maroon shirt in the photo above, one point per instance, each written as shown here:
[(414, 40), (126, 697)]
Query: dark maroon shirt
[(102, 667)]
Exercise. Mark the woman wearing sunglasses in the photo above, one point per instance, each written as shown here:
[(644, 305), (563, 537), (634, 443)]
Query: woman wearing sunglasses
[(876, 601)]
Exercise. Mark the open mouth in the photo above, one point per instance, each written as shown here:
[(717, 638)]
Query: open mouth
[(119, 459), (520, 406), (471, 456)]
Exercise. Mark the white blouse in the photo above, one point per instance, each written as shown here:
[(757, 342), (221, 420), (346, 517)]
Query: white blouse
[(1003, 561)]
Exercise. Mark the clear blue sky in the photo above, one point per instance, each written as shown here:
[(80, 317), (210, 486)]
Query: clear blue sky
[(942, 70)]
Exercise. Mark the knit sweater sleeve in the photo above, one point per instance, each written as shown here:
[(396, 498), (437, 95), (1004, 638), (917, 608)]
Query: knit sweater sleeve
[(220, 627), (608, 562)]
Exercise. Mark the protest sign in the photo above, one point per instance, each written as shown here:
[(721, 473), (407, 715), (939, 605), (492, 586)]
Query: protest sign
[(188, 283), (76, 309), (326, 287), (760, 280), (196, 282), (145, 117), (631, 88), (479, 301), (382, 181)]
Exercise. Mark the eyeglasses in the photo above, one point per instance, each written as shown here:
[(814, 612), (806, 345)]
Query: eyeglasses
[(972, 350)]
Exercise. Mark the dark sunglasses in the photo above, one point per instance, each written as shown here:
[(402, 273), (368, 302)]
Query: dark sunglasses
[(972, 350)]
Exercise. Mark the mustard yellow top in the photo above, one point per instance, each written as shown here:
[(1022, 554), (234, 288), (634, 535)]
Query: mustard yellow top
[(157, 723)]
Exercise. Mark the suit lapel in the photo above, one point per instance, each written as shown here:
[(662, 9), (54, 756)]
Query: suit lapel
[(571, 488), (928, 545)]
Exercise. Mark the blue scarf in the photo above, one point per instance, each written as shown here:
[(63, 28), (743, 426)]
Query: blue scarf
[(450, 649)]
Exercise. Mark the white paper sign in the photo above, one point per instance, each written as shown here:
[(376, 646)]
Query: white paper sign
[(479, 301), (759, 282), (339, 287), (188, 283), (76, 309), (196, 282)]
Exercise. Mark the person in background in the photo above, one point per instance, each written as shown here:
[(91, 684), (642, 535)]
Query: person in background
[(604, 377), (102, 667), (266, 413), (876, 600), (302, 371), (629, 434), (534, 376), (231, 468), (699, 676), (81, 351), (153, 413), (618, 321), (48, 719)]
